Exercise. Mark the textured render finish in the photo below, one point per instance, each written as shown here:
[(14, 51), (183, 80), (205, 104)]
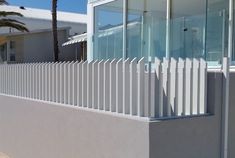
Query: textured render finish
[(190, 138), (35, 130)]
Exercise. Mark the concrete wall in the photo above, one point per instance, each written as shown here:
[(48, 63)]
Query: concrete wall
[(34, 129), (39, 130)]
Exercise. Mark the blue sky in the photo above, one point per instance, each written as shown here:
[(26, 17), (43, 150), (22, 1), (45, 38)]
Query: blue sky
[(78, 6)]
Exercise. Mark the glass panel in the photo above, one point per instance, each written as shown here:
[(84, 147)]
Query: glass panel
[(146, 29), (188, 27), (108, 38), (217, 31)]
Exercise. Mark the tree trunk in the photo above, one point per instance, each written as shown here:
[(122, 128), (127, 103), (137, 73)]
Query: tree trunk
[(54, 29)]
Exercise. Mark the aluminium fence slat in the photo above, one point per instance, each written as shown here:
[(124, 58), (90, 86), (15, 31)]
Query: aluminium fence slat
[(147, 89), (100, 85), (66, 83), (179, 87), (119, 86), (112, 85), (95, 80), (126, 87), (79, 83), (84, 84), (203, 87), (53, 82), (61, 85), (165, 84), (140, 87), (74, 87), (70, 83), (89, 84), (172, 87), (57, 85), (187, 87), (158, 89), (195, 87), (106, 94), (133, 87)]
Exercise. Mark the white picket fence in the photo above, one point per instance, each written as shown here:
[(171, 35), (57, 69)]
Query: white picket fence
[(163, 89)]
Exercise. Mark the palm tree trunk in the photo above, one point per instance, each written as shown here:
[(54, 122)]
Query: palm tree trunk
[(54, 29)]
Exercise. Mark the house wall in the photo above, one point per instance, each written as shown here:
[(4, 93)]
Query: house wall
[(36, 129), (37, 24), (38, 47)]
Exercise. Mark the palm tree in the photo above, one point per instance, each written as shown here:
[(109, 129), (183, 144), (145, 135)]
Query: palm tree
[(7, 22), (54, 29)]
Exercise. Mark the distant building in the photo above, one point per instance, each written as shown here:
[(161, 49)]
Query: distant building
[(37, 45)]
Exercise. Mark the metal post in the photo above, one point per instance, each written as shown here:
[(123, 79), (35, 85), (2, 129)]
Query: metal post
[(124, 29), (230, 31), (226, 67), (168, 28)]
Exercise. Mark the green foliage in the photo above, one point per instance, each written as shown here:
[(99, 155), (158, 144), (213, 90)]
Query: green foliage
[(9, 22)]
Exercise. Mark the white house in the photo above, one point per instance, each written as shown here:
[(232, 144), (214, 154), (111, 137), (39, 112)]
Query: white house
[(37, 45)]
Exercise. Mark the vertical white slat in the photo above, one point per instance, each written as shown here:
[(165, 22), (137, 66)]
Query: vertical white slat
[(65, 75), (43, 81), (33, 81), (165, 83), (126, 87), (140, 87), (172, 88), (46, 67), (70, 83), (187, 87), (95, 79), (84, 84), (112, 85), (119, 86), (133, 87), (89, 84), (25, 80), (53, 82), (203, 87), (147, 82), (106, 94), (57, 81), (195, 87), (100, 83), (62, 65), (50, 73), (36, 81), (74, 88), (79, 83), (30, 81), (180, 87), (16, 79)]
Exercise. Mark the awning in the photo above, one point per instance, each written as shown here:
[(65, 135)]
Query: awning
[(76, 39)]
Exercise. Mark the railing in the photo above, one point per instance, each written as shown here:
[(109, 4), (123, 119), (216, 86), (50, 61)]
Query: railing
[(160, 90)]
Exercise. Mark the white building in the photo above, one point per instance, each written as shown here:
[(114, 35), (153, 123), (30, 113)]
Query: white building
[(37, 45)]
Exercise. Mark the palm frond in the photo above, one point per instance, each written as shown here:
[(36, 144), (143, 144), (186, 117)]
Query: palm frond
[(13, 24), (4, 14), (2, 2)]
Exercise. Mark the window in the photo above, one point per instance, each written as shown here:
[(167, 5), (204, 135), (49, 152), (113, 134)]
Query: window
[(3, 52)]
